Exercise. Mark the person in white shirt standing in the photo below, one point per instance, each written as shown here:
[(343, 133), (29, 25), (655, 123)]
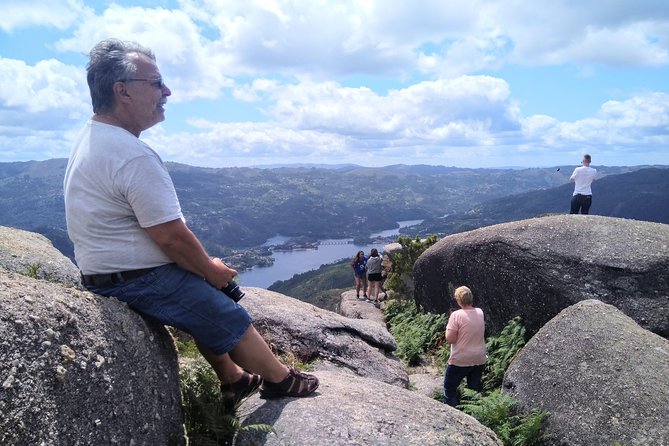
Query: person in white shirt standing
[(583, 177)]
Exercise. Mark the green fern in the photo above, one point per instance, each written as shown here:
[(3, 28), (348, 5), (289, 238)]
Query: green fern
[(529, 430), (208, 421), (501, 351), (496, 410), (415, 332), (492, 410)]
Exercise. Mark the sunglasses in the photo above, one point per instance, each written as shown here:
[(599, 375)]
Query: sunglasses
[(158, 83)]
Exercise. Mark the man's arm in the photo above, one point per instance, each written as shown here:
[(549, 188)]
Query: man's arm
[(181, 245)]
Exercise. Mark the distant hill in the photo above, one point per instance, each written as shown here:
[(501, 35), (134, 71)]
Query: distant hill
[(640, 195), (242, 207)]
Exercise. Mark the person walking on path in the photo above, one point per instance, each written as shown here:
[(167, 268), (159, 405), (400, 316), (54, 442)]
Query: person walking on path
[(359, 265), (374, 276), (465, 333), (130, 237), (583, 177)]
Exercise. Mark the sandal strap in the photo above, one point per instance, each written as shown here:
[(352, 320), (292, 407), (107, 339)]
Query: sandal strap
[(295, 384), (243, 387), (299, 382)]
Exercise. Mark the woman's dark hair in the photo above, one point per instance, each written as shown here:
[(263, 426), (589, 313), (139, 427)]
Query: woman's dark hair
[(109, 63), (374, 253)]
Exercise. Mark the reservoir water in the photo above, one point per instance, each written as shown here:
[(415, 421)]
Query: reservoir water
[(288, 263)]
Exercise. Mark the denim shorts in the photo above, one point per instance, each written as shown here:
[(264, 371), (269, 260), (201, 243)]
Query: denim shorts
[(173, 296)]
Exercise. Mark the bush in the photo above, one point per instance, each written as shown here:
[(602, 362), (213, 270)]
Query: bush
[(404, 260)]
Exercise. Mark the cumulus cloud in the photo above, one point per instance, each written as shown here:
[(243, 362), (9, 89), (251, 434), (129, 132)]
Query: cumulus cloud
[(621, 125), (304, 65), (617, 33), (188, 61), (313, 120), (17, 14), (49, 85)]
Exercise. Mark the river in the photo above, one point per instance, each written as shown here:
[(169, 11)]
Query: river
[(288, 263)]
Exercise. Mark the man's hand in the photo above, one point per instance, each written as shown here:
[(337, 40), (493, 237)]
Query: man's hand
[(222, 274)]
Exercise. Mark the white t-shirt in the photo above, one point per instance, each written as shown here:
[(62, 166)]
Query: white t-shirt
[(583, 177), (115, 186)]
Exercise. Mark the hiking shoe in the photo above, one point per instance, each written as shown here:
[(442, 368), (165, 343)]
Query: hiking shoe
[(295, 384), (245, 386)]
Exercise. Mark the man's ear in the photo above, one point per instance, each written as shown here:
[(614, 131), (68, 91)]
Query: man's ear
[(120, 91)]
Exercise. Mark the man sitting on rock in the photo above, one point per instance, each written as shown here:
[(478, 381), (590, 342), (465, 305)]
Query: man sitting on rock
[(130, 238)]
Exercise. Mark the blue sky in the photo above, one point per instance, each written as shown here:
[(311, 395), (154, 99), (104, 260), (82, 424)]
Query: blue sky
[(463, 83)]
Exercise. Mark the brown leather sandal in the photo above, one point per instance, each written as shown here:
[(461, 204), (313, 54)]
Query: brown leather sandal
[(245, 386), (296, 384)]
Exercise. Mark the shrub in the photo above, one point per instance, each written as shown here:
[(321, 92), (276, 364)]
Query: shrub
[(404, 260)]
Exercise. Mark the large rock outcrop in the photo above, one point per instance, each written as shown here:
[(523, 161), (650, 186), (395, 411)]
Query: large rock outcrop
[(603, 379), (77, 369), (352, 307), (350, 410), (331, 341), (535, 268), (26, 252)]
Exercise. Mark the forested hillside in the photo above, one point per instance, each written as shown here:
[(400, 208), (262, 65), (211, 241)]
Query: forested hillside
[(242, 207)]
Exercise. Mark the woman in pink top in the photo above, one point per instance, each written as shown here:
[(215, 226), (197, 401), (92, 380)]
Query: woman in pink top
[(465, 333)]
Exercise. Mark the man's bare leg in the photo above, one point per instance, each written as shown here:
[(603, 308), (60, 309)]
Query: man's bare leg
[(253, 354), (227, 371)]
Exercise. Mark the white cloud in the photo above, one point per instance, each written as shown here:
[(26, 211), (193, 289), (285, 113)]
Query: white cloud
[(39, 107), (293, 59), (49, 89), (314, 120), (618, 33), (226, 144), (59, 14), (629, 125), (187, 60)]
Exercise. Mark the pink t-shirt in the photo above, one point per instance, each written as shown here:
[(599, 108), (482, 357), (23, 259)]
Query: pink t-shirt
[(469, 349)]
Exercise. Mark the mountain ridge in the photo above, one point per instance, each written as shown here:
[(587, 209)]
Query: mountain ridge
[(239, 208)]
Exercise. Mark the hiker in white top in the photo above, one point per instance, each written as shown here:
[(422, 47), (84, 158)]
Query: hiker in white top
[(583, 177)]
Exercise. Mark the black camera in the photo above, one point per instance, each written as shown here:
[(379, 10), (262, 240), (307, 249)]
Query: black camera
[(233, 291)]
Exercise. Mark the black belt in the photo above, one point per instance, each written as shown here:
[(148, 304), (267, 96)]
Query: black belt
[(107, 280)]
